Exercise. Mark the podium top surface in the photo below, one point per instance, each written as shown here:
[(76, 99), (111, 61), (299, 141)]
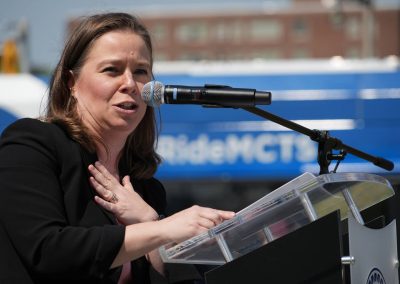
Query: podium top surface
[(287, 208)]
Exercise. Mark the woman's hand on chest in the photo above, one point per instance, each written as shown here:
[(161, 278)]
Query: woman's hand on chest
[(119, 198)]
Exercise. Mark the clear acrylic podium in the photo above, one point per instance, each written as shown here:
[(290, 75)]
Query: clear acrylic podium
[(297, 224)]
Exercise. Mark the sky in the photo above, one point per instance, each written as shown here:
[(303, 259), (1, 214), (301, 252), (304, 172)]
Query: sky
[(47, 19)]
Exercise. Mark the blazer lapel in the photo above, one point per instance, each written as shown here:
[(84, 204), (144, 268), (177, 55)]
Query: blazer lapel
[(88, 159)]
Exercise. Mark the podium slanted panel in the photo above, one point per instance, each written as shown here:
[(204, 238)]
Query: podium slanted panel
[(311, 254)]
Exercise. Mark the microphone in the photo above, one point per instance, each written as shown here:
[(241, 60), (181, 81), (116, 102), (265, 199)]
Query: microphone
[(154, 94)]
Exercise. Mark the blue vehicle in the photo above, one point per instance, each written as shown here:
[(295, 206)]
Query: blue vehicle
[(358, 102), (21, 95)]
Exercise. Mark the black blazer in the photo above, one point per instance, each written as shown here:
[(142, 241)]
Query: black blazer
[(51, 230)]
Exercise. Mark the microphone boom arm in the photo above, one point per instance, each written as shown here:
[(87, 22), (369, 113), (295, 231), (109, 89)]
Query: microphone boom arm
[(326, 143)]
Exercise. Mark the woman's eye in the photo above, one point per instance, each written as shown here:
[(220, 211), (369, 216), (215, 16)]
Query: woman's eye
[(141, 72), (110, 69)]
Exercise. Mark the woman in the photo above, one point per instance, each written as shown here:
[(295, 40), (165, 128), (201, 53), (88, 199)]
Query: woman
[(63, 212)]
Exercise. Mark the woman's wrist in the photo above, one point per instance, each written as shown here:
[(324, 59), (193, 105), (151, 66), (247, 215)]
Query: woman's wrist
[(153, 216), (159, 217)]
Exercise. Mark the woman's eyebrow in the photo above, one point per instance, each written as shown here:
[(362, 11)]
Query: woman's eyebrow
[(143, 63), (109, 60)]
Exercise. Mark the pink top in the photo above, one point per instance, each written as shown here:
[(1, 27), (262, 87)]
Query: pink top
[(126, 276), (126, 273)]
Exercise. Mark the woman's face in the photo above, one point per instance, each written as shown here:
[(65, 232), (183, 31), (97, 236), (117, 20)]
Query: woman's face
[(109, 84)]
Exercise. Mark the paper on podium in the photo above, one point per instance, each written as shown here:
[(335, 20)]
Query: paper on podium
[(289, 207)]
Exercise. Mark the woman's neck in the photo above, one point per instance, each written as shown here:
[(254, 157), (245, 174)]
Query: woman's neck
[(109, 160), (109, 155), (110, 148)]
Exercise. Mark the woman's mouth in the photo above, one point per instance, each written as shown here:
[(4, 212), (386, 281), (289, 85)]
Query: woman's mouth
[(127, 106)]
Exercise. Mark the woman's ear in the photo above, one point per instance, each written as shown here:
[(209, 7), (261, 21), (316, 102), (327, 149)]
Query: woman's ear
[(71, 80)]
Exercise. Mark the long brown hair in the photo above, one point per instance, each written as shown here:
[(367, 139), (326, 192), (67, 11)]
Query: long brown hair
[(139, 150)]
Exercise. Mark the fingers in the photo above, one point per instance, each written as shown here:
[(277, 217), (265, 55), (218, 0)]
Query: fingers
[(193, 221), (226, 215), (216, 216), (101, 190), (207, 218), (107, 180), (102, 169), (126, 182), (104, 183), (206, 223), (211, 215), (109, 206), (101, 174)]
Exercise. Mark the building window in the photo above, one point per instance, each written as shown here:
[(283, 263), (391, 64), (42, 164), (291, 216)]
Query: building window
[(160, 56), (241, 55), (266, 30), (267, 53), (300, 29), (353, 28), (235, 55), (228, 31), (191, 55), (194, 32), (353, 52), (299, 53), (159, 32)]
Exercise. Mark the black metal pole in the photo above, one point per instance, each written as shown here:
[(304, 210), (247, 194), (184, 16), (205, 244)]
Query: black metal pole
[(328, 142)]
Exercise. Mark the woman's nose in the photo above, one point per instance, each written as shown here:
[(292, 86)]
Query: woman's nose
[(129, 83)]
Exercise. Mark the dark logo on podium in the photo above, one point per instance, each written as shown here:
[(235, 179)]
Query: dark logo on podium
[(375, 277)]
